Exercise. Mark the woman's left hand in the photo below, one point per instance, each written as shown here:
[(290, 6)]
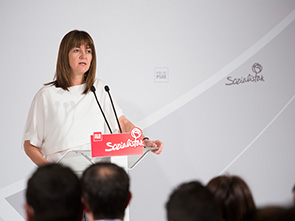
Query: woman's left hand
[(156, 143)]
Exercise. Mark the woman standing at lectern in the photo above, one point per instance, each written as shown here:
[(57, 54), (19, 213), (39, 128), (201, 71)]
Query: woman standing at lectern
[(64, 112)]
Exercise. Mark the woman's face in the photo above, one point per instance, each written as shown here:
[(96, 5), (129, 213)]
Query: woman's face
[(80, 59)]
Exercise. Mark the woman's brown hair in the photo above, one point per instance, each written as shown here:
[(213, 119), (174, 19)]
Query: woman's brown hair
[(233, 197), (73, 39)]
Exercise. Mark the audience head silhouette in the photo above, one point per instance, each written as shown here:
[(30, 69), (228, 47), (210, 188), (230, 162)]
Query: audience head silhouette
[(53, 194), (192, 201), (272, 213), (233, 197), (105, 191)]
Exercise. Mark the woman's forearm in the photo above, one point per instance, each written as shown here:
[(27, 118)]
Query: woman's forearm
[(34, 153)]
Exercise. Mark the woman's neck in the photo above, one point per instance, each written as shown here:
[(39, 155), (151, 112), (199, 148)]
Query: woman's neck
[(77, 80)]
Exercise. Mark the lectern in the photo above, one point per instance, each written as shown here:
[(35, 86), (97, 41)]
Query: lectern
[(125, 150)]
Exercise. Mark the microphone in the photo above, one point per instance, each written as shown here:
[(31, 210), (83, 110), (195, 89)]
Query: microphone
[(92, 88), (107, 89)]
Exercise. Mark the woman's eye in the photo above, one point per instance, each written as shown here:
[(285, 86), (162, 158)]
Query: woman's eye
[(76, 50), (88, 51)]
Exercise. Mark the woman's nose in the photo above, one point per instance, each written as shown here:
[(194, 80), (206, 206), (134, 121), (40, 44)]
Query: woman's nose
[(82, 54)]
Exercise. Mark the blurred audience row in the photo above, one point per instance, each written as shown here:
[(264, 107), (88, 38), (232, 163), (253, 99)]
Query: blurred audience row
[(224, 198), (55, 193)]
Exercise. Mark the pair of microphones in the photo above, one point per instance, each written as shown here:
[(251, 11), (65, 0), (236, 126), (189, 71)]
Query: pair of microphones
[(107, 89)]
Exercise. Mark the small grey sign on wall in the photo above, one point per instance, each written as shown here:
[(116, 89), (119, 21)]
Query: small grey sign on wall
[(161, 75)]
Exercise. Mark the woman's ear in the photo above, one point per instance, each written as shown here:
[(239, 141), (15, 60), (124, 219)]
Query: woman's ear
[(85, 205), (130, 196), (29, 212)]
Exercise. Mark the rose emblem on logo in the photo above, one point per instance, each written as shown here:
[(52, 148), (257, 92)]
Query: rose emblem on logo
[(136, 133), (257, 68)]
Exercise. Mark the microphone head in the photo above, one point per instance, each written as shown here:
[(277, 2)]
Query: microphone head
[(92, 88), (107, 89)]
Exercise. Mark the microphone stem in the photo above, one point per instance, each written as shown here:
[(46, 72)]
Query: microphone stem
[(105, 119), (115, 112)]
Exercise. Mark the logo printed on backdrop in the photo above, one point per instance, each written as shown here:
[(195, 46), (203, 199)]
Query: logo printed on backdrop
[(256, 77)]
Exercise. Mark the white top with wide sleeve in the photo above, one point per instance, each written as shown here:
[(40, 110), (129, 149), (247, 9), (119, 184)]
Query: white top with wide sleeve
[(61, 120)]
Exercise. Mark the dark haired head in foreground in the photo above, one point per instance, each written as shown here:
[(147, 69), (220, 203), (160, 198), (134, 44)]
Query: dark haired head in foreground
[(233, 197), (105, 191), (53, 194), (190, 202), (272, 213)]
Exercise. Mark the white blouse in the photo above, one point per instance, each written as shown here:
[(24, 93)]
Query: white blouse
[(61, 120)]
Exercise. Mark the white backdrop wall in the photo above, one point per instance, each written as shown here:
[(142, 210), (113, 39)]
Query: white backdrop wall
[(208, 126)]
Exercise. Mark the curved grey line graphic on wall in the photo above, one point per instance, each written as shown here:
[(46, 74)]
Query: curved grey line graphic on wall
[(254, 78), (258, 135), (218, 76), (11, 213)]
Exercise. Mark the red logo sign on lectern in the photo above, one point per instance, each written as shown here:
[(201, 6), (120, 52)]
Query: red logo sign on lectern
[(107, 145)]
